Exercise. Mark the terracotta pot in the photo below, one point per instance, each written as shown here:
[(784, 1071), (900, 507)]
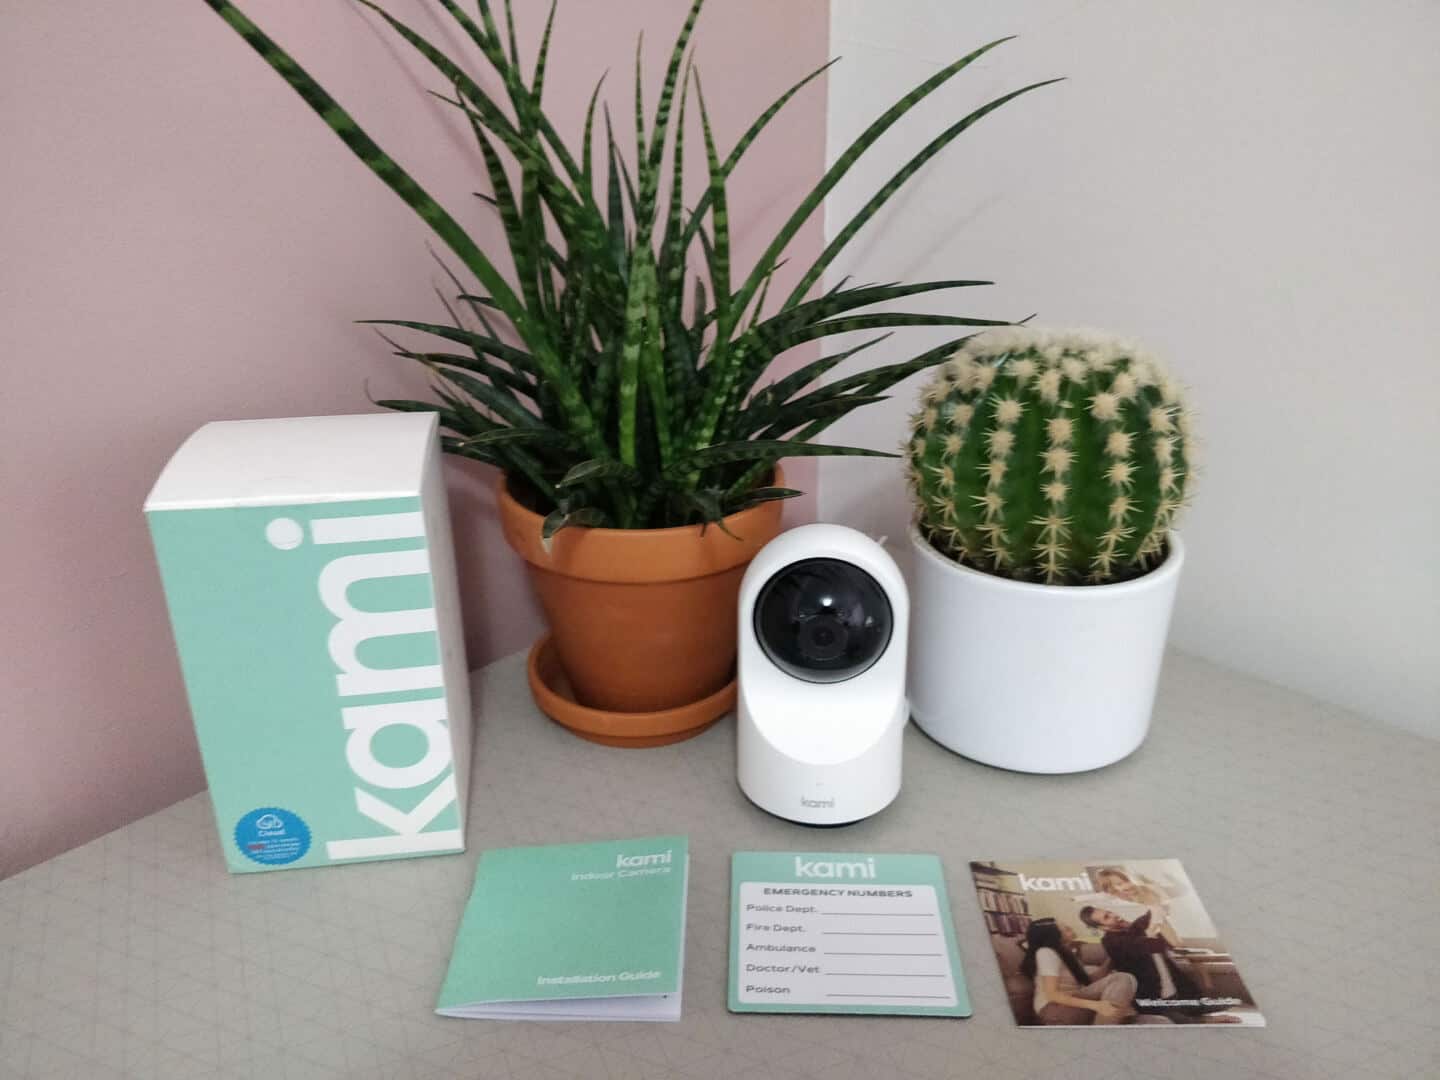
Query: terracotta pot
[(641, 620)]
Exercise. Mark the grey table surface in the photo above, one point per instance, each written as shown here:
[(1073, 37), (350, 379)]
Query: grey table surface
[(1312, 835)]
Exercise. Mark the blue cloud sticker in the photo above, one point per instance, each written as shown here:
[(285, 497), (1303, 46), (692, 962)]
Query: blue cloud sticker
[(272, 836)]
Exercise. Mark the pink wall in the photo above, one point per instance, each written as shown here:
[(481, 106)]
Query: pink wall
[(184, 241)]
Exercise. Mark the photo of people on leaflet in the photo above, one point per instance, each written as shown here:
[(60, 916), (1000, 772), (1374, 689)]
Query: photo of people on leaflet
[(1123, 942)]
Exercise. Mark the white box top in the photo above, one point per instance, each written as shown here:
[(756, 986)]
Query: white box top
[(304, 459)]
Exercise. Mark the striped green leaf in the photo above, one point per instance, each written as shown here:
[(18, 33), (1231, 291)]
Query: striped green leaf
[(514, 436), (481, 343), (764, 404), (667, 88), (379, 162), (790, 417), (637, 322), (751, 449), (452, 444), (537, 85), (614, 369), (589, 471), (756, 496), (448, 417), (588, 516), (847, 159), (751, 133), (720, 389), (501, 377), (487, 394), (894, 184)]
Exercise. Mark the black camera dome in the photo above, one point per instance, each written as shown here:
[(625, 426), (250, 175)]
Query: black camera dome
[(823, 620)]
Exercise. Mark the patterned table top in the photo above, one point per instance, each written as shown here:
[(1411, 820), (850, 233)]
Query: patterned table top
[(1312, 835)]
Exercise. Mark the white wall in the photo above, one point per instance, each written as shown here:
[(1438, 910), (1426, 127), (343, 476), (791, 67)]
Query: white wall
[(1251, 189)]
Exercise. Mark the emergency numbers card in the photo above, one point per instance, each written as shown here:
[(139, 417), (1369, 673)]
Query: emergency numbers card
[(842, 933)]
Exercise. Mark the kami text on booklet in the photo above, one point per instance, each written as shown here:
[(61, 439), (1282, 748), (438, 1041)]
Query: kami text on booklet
[(573, 932)]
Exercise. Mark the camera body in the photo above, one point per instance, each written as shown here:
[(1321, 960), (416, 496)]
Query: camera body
[(824, 615)]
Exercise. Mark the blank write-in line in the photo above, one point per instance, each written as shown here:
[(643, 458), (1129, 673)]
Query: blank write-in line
[(919, 997), (887, 974), (881, 933), (882, 954), (886, 914)]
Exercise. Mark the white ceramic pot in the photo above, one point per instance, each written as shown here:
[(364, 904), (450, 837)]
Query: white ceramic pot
[(1037, 678)]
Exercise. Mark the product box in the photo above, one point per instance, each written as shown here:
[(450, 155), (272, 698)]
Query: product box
[(310, 574)]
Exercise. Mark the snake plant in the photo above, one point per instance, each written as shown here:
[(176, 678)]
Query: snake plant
[(616, 376)]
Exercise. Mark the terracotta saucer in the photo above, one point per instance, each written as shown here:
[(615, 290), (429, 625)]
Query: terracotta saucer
[(553, 694)]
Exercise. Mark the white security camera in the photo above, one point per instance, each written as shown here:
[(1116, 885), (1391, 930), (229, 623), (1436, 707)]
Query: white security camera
[(823, 618)]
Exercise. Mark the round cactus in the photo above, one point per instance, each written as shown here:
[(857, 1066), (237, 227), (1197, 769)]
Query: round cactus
[(1057, 457)]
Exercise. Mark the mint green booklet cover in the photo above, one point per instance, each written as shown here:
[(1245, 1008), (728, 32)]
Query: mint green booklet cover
[(573, 932)]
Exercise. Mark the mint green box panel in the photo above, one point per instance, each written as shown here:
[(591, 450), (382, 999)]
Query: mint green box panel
[(311, 648)]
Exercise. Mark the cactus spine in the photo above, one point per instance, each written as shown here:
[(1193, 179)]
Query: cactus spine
[(1061, 458)]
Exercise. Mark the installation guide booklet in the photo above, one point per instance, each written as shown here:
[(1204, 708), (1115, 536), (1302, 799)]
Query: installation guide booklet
[(842, 933), (573, 932)]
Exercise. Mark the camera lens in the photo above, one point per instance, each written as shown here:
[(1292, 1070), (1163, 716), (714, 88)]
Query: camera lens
[(823, 620), (822, 639)]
